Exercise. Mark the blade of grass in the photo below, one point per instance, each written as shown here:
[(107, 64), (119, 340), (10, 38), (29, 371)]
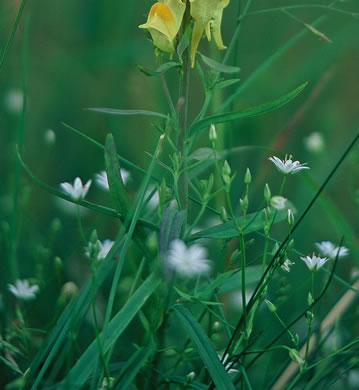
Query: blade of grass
[(81, 371), (204, 348)]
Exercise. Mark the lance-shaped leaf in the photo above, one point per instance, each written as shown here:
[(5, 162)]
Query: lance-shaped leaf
[(198, 127), (115, 182)]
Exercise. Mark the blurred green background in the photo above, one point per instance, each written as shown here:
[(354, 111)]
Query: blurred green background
[(84, 54)]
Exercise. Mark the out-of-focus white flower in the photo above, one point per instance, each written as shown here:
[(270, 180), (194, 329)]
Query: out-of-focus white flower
[(314, 262), (187, 261), (328, 249), (23, 290), (98, 249), (278, 202), (49, 137), (314, 142), (287, 166), (14, 100), (101, 178), (105, 247), (286, 265), (155, 199), (76, 191), (235, 298)]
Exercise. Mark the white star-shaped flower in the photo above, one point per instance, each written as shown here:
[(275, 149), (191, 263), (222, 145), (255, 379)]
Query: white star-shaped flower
[(278, 202), (187, 261), (287, 166), (105, 247), (286, 265), (328, 249), (314, 262), (23, 290), (76, 191), (101, 178)]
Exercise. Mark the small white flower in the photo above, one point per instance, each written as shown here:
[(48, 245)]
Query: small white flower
[(287, 166), (105, 247), (187, 262), (76, 191), (14, 100), (278, 202), (327, 248), (286, 265), (227, 364), (23, 290), (314, 142), (314, 262), (101, 178), (98, 249)]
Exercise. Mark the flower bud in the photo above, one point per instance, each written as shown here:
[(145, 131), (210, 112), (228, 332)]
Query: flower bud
[(290, 217), (212, 133), (247, 177), (270, 305), (294, 355), (267, 193), (244, 204), (278, 202)]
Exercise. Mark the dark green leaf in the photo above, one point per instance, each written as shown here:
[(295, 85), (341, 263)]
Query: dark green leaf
[(85, 365), (199, 126), (115, 182), (131, 368), (204, 348)]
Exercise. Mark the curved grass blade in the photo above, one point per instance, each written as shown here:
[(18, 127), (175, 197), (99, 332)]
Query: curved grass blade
[(84, 366), (12, 34), (204, 348), (114, 111), (254, 222), (199, 126), (84, 203)]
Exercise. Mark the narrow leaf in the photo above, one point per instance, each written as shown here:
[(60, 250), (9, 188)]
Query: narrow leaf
[(204, 348), (226, 83), (115, 182), (85, 365), (114, 111), (131, 368), (234, 282), (217, 66), (160, 70), (254, 222), (199, 126)]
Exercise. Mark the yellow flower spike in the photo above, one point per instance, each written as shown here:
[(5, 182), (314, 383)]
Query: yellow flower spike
[(207, 15), (163, 23)]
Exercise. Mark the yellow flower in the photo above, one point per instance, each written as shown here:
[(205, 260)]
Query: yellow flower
[(207, 15), (163, 23)]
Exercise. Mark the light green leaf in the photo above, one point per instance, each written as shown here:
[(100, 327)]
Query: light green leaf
[(204, 348), (254, 222), (217, 66), (114, 111), (226, 83), (199, 126), (160, 70)]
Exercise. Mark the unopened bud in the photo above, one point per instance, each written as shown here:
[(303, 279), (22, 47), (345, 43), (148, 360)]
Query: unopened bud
[(267, 193), (294, 355), (212, 133), (247, 177), (290, 217), (270, 305), (224, 215), (310, 299), (244, 204), (190, 377)]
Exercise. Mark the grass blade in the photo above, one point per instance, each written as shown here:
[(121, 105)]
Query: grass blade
[(205, 348)]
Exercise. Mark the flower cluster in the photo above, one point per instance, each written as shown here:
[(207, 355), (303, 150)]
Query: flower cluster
[(165, 19)]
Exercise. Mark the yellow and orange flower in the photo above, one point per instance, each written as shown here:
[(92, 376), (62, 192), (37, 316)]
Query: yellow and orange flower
[(207, 16), (163, 23)]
